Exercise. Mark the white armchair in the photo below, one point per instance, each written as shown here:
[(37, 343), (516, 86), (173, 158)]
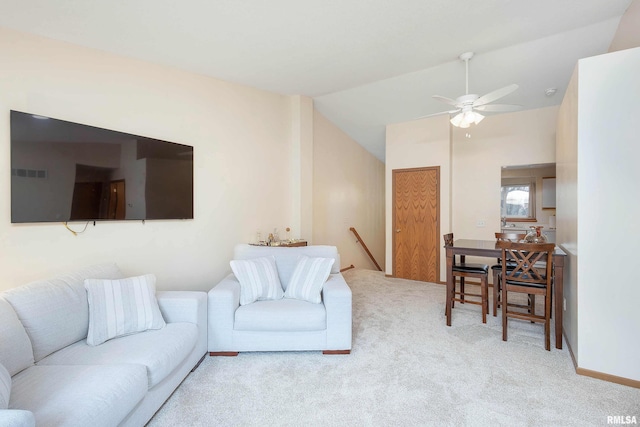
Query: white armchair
[(285, 324)]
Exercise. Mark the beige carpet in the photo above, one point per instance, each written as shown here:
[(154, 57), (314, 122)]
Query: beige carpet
[(406, 368)]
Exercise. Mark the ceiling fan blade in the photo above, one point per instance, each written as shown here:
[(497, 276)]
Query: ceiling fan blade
[(446, 100), (496, 94), (499, 107), (438, 114)]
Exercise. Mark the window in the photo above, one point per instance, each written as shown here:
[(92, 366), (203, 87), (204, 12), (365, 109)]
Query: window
[(517, 199)]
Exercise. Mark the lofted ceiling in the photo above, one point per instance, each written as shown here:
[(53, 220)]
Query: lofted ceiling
[(365, 63)]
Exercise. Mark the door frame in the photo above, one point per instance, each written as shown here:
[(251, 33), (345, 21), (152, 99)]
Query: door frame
[(393, 213)]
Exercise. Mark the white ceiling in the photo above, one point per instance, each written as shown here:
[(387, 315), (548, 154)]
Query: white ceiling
[(366, 63)]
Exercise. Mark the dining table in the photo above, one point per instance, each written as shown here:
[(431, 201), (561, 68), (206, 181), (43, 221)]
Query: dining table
[(488, 248)]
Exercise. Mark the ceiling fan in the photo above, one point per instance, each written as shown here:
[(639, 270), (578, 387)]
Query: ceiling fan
[(468, 105)]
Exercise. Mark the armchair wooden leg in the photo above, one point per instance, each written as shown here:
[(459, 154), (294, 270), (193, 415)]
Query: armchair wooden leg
[(223, 353), (330, 352)]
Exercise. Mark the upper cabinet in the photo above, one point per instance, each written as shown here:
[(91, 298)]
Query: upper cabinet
[(549, 193)]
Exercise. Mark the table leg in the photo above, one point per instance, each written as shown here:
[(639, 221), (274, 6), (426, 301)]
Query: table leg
[(558, 274), (447, 309)]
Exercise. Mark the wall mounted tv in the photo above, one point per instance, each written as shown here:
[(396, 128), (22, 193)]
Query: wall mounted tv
[(63, 171)]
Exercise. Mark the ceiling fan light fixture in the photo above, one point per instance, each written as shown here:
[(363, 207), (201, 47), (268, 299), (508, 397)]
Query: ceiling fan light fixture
[(465, 119), (457, 120)]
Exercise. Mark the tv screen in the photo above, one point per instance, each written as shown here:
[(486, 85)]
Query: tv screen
[(63, 171)]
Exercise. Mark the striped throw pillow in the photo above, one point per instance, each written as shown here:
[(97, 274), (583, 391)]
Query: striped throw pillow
[(122, 307), (258, 279), (308, 278)]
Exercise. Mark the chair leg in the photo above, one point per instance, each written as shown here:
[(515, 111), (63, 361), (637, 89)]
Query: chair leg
[(547, 321), (505, 308), (532, 305), (496, 292), (485, 297), (453, 292), (462, 290)]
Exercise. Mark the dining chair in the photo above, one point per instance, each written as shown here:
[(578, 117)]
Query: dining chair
[(463, 270), (531, 275), (496, 269)]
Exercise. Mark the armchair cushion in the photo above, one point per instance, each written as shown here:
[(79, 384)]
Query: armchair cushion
[(308, 278), (284, 315), (258, 279), (122, 307)]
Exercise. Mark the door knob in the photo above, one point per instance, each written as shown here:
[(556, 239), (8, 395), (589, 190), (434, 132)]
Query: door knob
[(397, 230)]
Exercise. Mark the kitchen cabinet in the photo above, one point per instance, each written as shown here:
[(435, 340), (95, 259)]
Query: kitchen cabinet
[(549, 193)]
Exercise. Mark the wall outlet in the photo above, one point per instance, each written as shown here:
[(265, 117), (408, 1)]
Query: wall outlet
[(480, 223), (564, 304)]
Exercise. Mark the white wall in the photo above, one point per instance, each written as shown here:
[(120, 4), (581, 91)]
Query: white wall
[(242, 173), (348, 187), (521, 138), (567, 205), (416, 144), (470, 168), (608, 211)]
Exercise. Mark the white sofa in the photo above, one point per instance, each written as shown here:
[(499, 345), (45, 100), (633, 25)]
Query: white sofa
[(285, 324), (50, 376)]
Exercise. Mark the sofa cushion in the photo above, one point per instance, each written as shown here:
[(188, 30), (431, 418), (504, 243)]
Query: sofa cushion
[(308, 278), (79, 395), (281, 315), (287, 258), (160, 351), (258, 279), (16, 353), (55, 312), (5, 387), (121, 307)]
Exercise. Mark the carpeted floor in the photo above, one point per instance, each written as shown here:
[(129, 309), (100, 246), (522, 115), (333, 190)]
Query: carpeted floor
[(406, 368)]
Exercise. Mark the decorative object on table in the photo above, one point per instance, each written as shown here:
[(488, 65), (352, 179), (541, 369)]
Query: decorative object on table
[(288, 230), (535, 235)]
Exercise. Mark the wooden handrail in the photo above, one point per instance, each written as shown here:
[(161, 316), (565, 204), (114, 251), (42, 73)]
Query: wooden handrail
[(347, 268), (365, 247)]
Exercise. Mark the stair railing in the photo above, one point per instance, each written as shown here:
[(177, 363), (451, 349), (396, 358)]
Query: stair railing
[(359, 240)]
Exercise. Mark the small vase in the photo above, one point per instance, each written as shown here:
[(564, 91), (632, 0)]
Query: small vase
[(535, 235)]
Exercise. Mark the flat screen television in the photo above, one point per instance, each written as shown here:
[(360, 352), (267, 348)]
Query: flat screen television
[(63, 171)]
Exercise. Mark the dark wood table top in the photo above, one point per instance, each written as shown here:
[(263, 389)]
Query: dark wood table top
[(486, 247)]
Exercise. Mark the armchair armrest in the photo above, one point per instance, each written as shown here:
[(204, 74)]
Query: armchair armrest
[(223, 301), (337, 299)]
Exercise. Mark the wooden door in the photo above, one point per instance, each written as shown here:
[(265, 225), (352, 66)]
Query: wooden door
[(416, 223), (85, 203), (117, 208)]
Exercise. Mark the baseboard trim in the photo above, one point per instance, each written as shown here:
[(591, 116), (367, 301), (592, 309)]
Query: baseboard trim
[(608, 377), (223, 353), (599, 375)]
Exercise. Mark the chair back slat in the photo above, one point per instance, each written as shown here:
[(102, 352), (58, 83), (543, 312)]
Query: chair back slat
[(527, 259)]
